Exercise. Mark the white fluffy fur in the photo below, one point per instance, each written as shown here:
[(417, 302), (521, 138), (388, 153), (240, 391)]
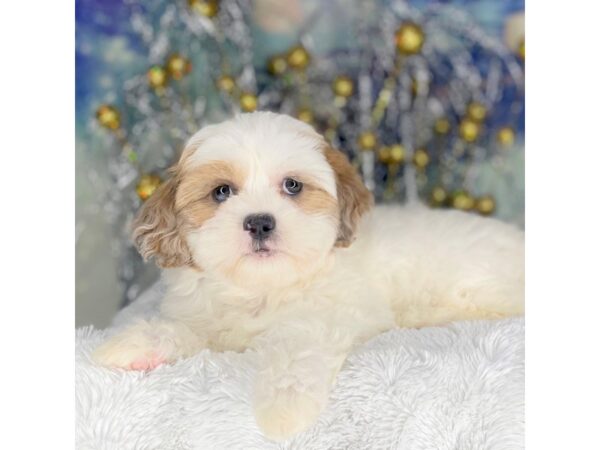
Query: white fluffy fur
[(304, 307)]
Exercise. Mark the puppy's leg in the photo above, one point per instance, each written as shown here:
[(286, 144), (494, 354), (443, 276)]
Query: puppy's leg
[(147, 344), (299, 363)]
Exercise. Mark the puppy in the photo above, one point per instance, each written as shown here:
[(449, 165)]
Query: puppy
[(269, 242)]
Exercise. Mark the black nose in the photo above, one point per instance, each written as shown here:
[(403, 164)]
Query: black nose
[(260, 226)]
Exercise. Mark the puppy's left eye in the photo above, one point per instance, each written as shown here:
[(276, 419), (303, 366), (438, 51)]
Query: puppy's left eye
[(222, 193), (291, 186)]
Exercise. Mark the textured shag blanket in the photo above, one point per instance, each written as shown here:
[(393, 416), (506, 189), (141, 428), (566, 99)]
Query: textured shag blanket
[(454, 387)]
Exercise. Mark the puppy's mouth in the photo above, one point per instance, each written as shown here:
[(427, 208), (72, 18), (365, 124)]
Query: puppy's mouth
[(261, 249)]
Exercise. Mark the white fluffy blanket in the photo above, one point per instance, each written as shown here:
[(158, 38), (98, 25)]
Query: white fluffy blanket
[(455, 387)]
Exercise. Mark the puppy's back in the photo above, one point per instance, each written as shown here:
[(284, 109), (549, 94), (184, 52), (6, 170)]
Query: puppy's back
[(437, 266)]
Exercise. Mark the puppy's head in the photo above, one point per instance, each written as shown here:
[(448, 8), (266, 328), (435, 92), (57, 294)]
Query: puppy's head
[(259, 199)]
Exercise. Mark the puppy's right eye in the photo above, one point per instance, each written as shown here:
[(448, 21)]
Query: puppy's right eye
[(222, 193)]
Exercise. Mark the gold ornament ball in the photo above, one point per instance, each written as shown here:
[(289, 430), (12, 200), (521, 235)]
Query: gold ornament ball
[(420, 159), (330, 134), (438, 196), (207, 8), (157, 77), (178, 66), (226, 83), (343, 86), (409, 39), (248, 102), (305, 115), (505, 136), (367, 140), (485, 205), (277, 65), (108, 116), (298, 58), (147, 185), (521, 50), (476, 112), (469, 130), (442, 126), (383, 154), (462, 200), (397, 154)]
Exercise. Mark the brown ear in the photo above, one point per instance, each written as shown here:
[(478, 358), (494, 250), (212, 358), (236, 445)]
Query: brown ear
[(155, 229), (354, 199)]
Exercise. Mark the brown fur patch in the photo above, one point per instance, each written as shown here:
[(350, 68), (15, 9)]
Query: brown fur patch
[(314, 200), (182, 203), (194, 201), (156, 232), (354, 199), (199, 182)]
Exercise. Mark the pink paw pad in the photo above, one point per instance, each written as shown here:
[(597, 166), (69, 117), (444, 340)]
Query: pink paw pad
[(149, 363)]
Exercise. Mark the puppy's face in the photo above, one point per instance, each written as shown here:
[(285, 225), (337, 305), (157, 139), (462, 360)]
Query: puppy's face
[(257, 200)]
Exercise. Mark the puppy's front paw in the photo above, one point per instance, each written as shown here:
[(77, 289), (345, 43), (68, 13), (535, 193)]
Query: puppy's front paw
[(132, 351), (117, 356), (286, 412)]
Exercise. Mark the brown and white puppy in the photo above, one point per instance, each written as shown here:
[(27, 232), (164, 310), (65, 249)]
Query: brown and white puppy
[(266, 243)]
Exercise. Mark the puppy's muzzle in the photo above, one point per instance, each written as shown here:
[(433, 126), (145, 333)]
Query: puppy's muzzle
[(260, 226)]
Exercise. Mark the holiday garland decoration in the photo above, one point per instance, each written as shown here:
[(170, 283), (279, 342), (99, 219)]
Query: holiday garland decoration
[(417, 103)]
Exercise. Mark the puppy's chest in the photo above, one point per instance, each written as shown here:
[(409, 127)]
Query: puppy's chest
[(230, 321), (234, 323), (233, 327)]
